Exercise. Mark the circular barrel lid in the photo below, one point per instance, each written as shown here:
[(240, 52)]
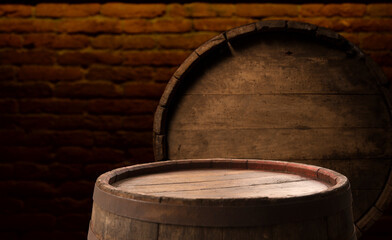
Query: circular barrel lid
[(283, 90)]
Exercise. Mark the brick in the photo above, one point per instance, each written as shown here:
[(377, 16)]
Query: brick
[(64, 171), (8, 106), (15, 10), (163, 73), (27, 57), (70, 42), (184, 41), (69, 155), (379, 10), (77, 189), (123, 139), (134, 139), (120, 74), (55, 41), (30, 189), (86, 90), (89, 26), (107, 155), (30, 171), (93, 171), (7, 73), (141, 155), (73, 138), (329, 10), (64, 106), (29, 138), (382, 58), (103, 122), (9, 235), (10, 40), (107, 41), (143, 122), (69, 122), (123, 10), (139, 42), (126, 42), (28, 221), (56, 10), (160, 25), (209, 10), (58, 206), (27, 25), (52, 74), (219, 24), (123, 106), (368, 24), (58, 235), (31, 122), (155, 58), (26, 90), (19, 153), (6, 172), (11, 205), (376, 41), (143, 90), (266, 10), (352, 37), (175, 10), (352, 24), (88, 58), (388, 72), (72, 222)]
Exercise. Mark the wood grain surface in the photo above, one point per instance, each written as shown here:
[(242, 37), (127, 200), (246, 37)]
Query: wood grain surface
[(218, 184), (284, 91), (229, 199)]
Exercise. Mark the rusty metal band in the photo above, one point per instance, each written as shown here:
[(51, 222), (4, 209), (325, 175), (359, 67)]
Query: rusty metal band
[(91, 235), (221, 216)]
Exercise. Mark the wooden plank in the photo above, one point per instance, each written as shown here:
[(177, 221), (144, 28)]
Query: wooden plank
[(174, 232), (362, 173), (363, 200), (280, 144), (250, 233), (240, 111), (275, 63), (225, 185), (310, 229), (340, 225), (109, 226)]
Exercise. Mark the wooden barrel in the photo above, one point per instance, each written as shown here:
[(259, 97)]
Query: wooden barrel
[(286, 91), (222, 199)]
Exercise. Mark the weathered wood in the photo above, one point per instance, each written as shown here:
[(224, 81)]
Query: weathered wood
[(244, 111), (280, 143), (197, 184), (285, 91), (324, 213)]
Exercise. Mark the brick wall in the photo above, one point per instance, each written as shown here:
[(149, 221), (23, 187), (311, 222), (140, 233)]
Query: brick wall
[(79, 84)]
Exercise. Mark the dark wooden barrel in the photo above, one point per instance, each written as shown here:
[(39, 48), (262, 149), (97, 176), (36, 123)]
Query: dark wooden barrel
[(222, 199), (286, 91)]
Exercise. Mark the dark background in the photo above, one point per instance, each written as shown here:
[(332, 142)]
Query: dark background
[(79, 83)]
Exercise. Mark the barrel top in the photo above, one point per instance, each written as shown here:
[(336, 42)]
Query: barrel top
[(236, 192), (222, 183)]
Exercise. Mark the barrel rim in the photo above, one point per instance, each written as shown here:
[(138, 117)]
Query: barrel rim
[(159, 127), (223, 212), (337, 180)]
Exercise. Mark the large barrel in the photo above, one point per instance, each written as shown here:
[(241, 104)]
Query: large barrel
[(222, 199)]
